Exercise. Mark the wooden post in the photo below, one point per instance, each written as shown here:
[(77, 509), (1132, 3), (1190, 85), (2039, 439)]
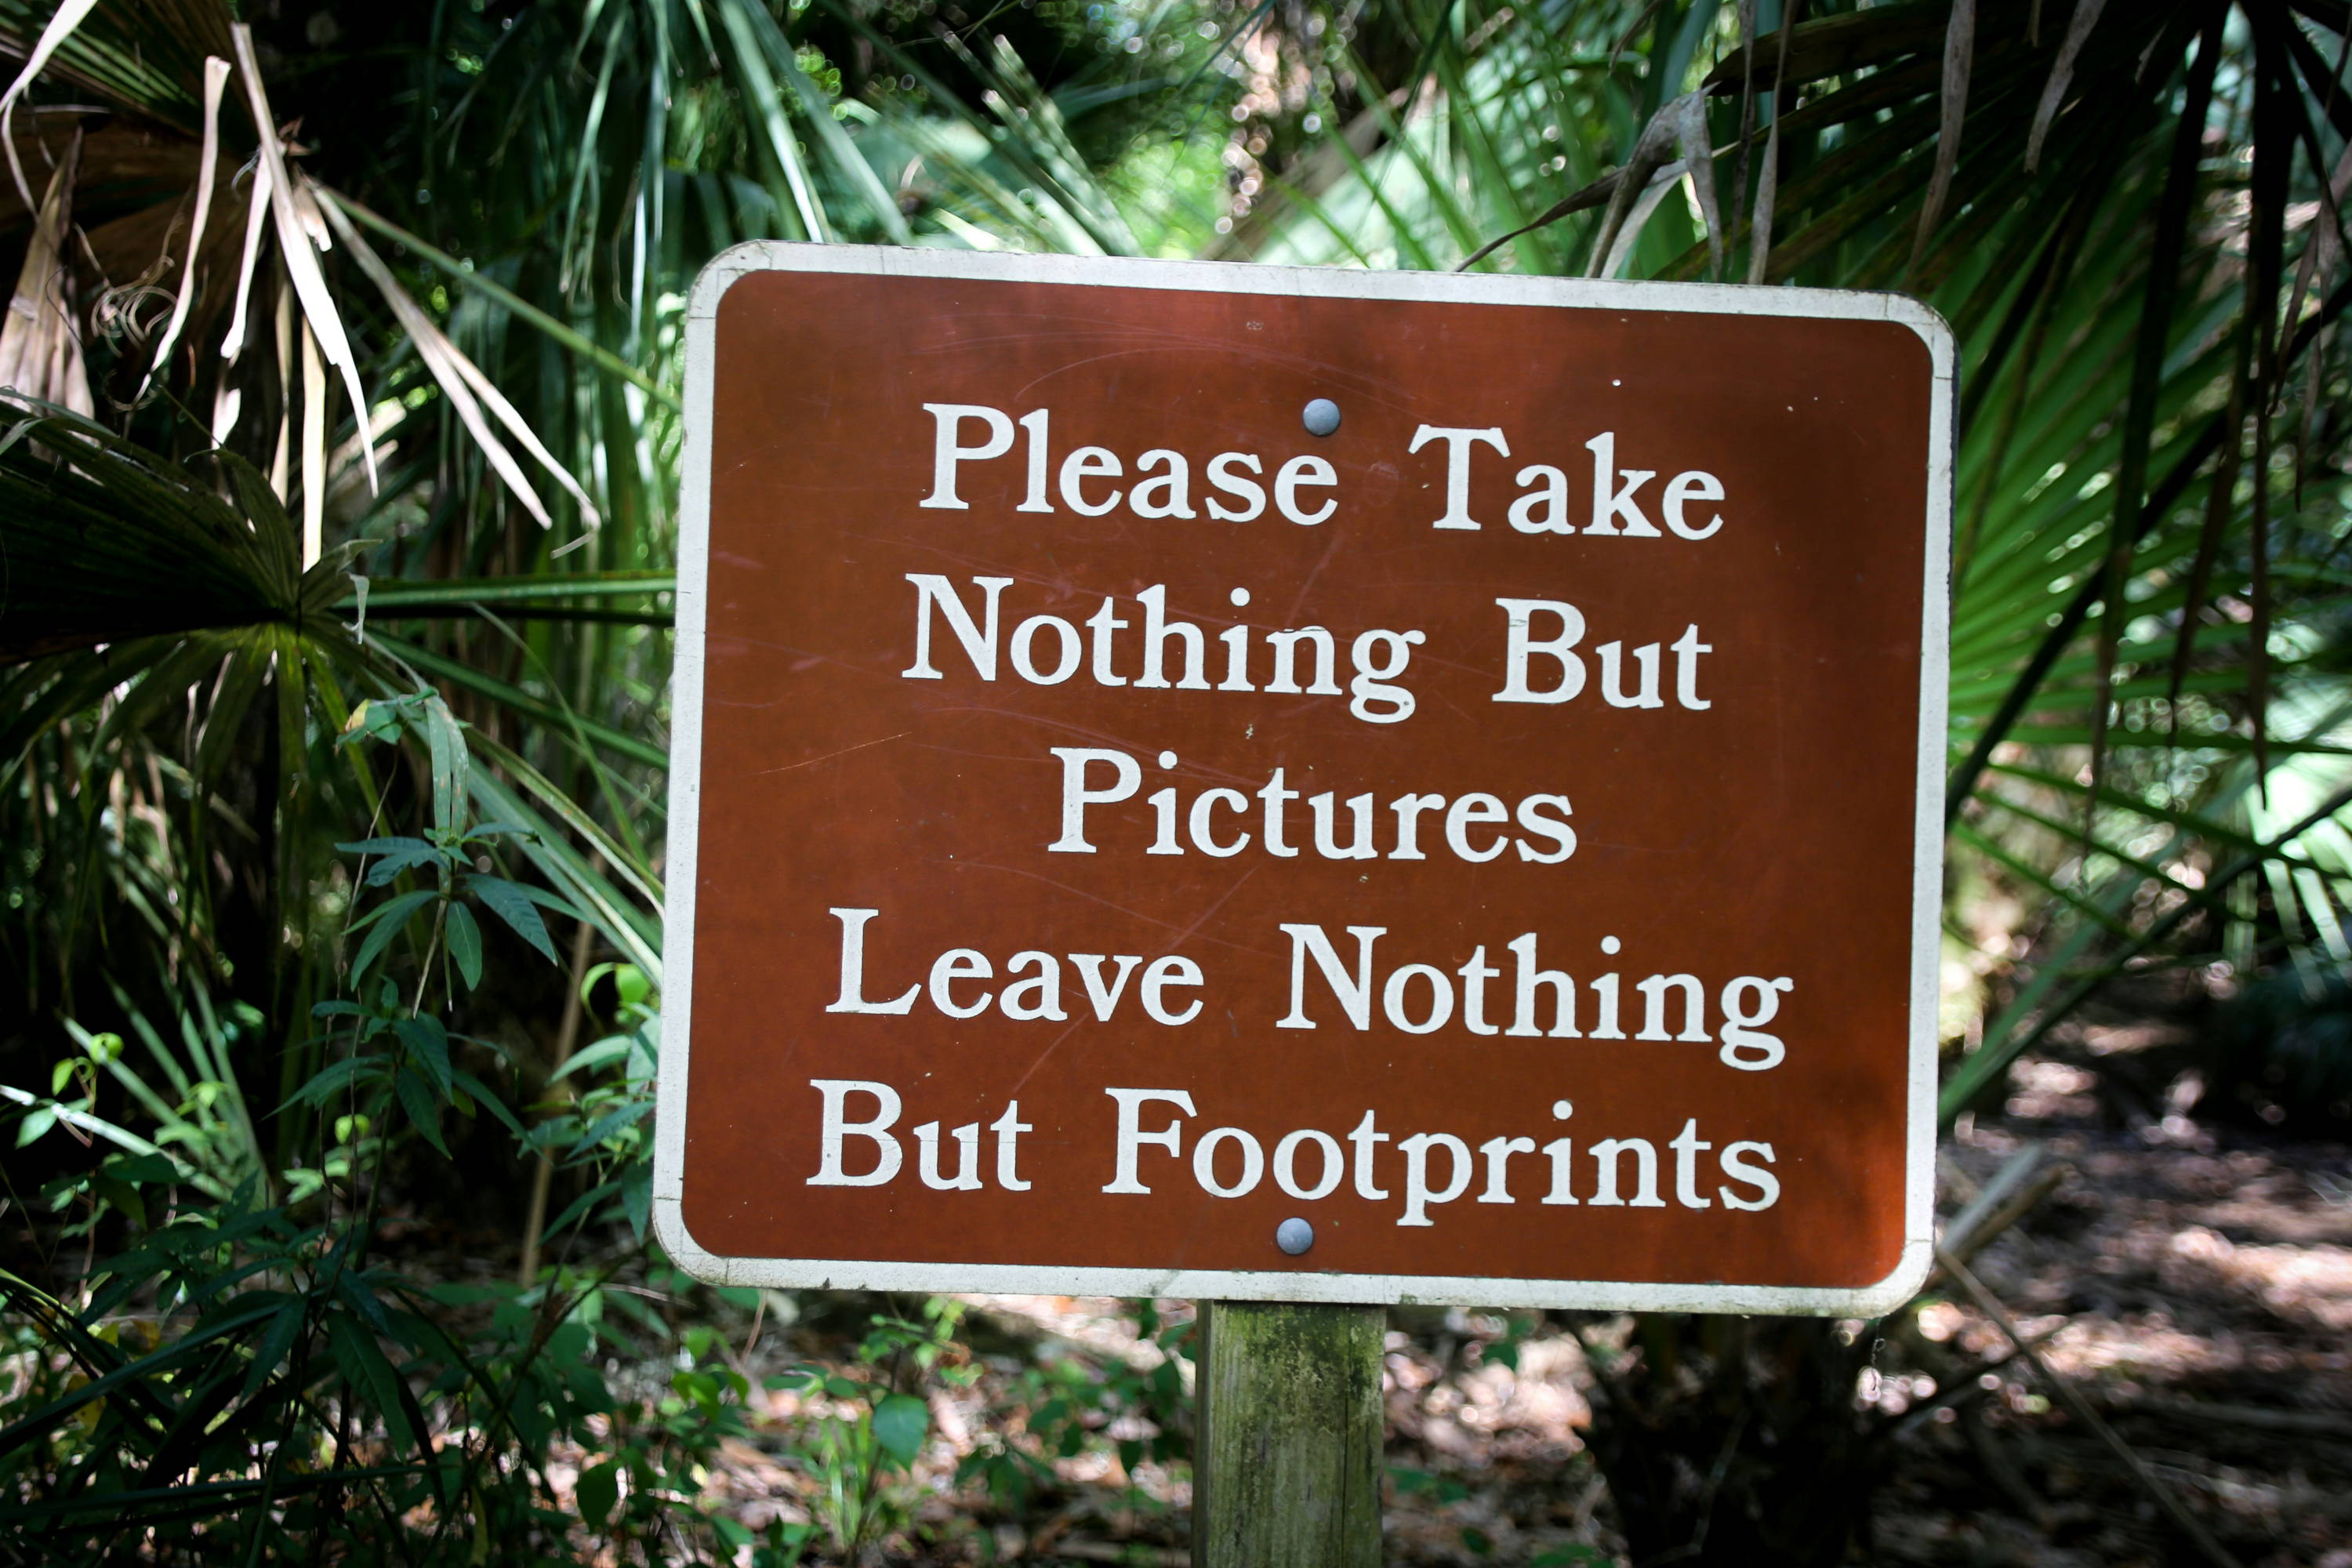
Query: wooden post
[(1288, 1466)]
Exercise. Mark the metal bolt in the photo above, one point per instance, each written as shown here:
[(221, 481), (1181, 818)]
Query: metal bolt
[(1322, 417), (1294, 1236)]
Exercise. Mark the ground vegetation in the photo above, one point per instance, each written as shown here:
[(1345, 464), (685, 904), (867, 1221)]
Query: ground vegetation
[(337, 504)]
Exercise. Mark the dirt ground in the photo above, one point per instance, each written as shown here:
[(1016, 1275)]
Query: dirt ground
[(2195, 1283), (2192, 1282)]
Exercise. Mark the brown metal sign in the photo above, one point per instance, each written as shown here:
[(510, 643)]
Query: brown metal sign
[(1294, 785)]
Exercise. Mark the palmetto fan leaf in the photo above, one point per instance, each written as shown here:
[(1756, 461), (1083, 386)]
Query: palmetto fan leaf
[(2045, 172), (2152, 579), (2129, 215), (140, 594), (109, 543), (143, 56)]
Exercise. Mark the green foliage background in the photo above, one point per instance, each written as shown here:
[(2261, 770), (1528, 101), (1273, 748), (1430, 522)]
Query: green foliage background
[(334, 651)]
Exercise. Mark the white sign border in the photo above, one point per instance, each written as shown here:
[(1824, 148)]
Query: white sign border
[(1294, 1285)]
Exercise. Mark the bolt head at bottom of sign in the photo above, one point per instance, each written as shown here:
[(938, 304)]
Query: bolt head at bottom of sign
[(1294, 1236), (1321, 417)]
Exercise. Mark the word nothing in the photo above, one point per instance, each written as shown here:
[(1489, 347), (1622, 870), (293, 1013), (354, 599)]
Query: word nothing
[(1541, 663), (1037, 986)]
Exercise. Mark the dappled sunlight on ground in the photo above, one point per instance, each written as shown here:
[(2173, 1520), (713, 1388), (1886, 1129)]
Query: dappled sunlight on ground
[(2193, 1280)]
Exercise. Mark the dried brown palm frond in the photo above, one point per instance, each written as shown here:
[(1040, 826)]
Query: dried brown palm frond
[(40, 339)]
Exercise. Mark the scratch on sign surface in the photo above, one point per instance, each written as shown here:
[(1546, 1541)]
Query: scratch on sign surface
[(845, 751)]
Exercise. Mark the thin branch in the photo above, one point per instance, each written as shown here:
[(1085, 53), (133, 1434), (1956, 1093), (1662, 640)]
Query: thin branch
[(2072, 1398)]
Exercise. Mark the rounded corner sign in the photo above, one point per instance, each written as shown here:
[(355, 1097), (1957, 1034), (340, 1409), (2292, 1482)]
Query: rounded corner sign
[(1304, 785)]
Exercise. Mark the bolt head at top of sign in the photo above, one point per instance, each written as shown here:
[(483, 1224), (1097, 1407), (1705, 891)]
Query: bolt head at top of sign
[(1335, 797)]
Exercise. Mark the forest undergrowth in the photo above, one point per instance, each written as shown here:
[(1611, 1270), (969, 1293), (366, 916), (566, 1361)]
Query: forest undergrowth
[(2191, 1275), (337, 515)]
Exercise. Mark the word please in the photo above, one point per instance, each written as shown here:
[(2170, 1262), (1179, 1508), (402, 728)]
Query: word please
[(1094, 481), (1086, 480)]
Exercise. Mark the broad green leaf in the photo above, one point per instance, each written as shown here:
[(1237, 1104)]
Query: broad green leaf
[(389, 921), (464, 944), (276, 1343), (596, 1493), (417, 1098), (901, 1421), (588, 1057), (370, 1376), (511, 904), (637, 1198), (447, 743), (428, 1048), (472, 1087)]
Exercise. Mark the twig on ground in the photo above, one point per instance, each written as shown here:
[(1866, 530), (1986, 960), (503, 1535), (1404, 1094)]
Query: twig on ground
[(2261, 1418), (1965, 1388), (2004, 1471), (2016, 1208), (2083, 1411), (1121, 1552)]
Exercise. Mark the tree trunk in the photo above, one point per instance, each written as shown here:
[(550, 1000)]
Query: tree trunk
[(1736, 1441)]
